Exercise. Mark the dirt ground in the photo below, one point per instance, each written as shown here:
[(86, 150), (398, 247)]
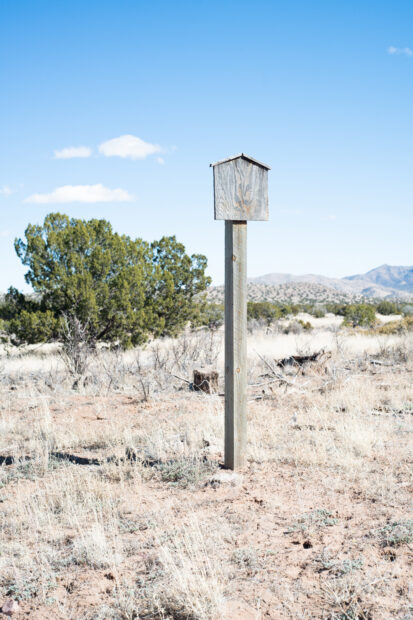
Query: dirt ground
[(114, 502)]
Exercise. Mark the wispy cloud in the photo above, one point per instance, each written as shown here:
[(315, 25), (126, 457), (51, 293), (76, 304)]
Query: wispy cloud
[(160, 160), (406, 51), (81, 193), (5, 190), (128, 146), (4, 233), (73, 151)]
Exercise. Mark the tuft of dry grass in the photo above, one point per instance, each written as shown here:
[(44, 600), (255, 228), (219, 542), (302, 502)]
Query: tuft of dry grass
[(193, 583)]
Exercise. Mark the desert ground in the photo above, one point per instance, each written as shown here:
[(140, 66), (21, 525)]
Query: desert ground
[(114, 503)]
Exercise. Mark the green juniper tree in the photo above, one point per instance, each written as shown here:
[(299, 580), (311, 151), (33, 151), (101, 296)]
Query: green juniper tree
[(122, 289)]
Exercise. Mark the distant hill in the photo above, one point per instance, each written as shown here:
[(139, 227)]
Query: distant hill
[(387, 276), (381, 283), (384, 281), (290, 292), (275, 279)]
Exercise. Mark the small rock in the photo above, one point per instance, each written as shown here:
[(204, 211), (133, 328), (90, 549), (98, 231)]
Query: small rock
[(225, 477), (267, 597), (10, 607)]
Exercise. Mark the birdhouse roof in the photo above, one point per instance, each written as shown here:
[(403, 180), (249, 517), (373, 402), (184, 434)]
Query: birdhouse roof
[(247, 157)]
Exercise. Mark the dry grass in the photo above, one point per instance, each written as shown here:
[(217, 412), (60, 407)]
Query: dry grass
[(108, 509)]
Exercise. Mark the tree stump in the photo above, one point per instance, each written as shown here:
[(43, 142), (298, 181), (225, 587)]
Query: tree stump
[(206, 380)]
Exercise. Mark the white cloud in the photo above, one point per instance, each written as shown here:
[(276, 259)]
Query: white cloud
[(5, 190), (4, 233), (400, 50), (160, 160), (81, 193), (128, 146), (73, 151)]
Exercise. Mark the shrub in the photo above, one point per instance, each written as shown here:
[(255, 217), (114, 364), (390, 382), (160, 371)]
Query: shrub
[(396, 327), (185, 472), (31, 327), (288, 309), (310, 521), (318, 312), (212, 315), (339, 309), (397, 533), (296, 327), (15, 302), (263, 310), (387, 307), (122, 289), (77, 347), (359, 315)]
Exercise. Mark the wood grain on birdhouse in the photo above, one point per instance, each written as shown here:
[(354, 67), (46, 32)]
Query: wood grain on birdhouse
[(240, 189)]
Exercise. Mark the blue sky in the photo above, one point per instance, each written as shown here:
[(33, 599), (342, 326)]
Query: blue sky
[(321, 91)]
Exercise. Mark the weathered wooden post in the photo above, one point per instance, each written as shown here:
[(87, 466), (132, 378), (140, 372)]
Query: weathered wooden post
[(240, 194)]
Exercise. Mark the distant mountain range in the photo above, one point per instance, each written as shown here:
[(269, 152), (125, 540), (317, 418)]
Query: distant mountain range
[(383, 281), (380, 283)]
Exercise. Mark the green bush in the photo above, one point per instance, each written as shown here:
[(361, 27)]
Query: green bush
[(288, 309), (14, 302), (318, 312), (31, 327), (387, 307), (359, 315), (122, 289), (335, 308), (263, 310), (212, 315), (3, 328)]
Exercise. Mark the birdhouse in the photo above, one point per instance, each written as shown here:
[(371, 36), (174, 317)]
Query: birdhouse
[(240, 189)]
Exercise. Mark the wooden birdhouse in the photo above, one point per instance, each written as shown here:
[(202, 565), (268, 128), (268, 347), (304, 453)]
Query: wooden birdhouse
[(240, 189)]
